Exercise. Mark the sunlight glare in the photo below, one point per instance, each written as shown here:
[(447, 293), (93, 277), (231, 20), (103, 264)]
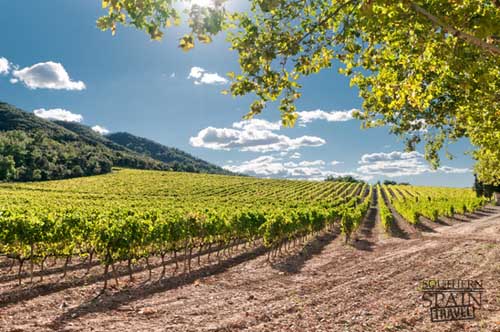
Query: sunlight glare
[(202, 3)]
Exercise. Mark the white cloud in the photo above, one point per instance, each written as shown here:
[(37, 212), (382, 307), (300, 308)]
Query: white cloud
[(335, 162), (391, 156), (453, 170), (14, 80), (172, 75), (269, 166), (4, 66), (334, 116), (254, 135), (257, 124), (295, 155), (397, 164), (100, 130), (312, 163), (47, 75), (201, 76), (264, 166), (196, 72), (58, 114)]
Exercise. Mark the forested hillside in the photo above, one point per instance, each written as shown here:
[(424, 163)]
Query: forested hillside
[(33, 149), (176, 159)]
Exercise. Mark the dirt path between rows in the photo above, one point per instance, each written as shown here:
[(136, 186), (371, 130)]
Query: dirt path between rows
[(371, 285)]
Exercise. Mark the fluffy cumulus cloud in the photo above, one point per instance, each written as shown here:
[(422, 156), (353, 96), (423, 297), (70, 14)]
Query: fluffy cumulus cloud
[(46, 75), (58, 114), (333, 116), (335, 162), (397, 164), (273, 167), (393, 156), (4, 66), (100, 130), (257, 124), (264, 166), (254, 135), (201, 76), (269, 166)]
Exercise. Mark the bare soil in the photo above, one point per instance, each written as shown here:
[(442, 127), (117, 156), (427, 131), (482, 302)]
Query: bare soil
[(324, 285)]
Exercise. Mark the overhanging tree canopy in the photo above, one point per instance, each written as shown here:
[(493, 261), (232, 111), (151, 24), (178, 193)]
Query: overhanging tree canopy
[(429, 69)]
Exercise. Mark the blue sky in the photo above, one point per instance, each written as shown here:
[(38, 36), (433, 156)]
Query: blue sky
[(129, 83)]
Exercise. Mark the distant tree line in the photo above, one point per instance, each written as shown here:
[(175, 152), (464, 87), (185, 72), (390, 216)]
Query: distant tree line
[(390, 182), (345, 178), (349, 178)]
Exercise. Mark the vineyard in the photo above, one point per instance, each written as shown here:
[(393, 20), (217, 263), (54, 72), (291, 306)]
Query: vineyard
[(131, 215), (154, 231)]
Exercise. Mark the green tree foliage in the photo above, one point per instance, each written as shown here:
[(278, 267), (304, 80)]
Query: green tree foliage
[(391, 182), (7, 167), (428, 69), (34, 156), (346, 178)]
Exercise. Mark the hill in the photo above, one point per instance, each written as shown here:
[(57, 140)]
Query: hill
[(176, 159), (88, 135), (34, 149)]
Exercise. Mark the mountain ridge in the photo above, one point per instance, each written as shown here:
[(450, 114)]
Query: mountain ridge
[(173, 157)]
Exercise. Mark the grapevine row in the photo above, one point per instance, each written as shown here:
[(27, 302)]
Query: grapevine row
[(432, 203)]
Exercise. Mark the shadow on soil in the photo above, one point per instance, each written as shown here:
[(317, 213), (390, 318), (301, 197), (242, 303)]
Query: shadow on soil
[(124, 296), (365, 242), (34, 290), (424, 227), (394, 229), (294, 263), (47, 271)]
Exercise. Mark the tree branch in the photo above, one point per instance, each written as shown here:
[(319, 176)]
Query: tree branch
[(326, 18), (462, 35)]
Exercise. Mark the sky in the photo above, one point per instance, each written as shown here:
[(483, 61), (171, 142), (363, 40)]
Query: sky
[(56, 63)]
